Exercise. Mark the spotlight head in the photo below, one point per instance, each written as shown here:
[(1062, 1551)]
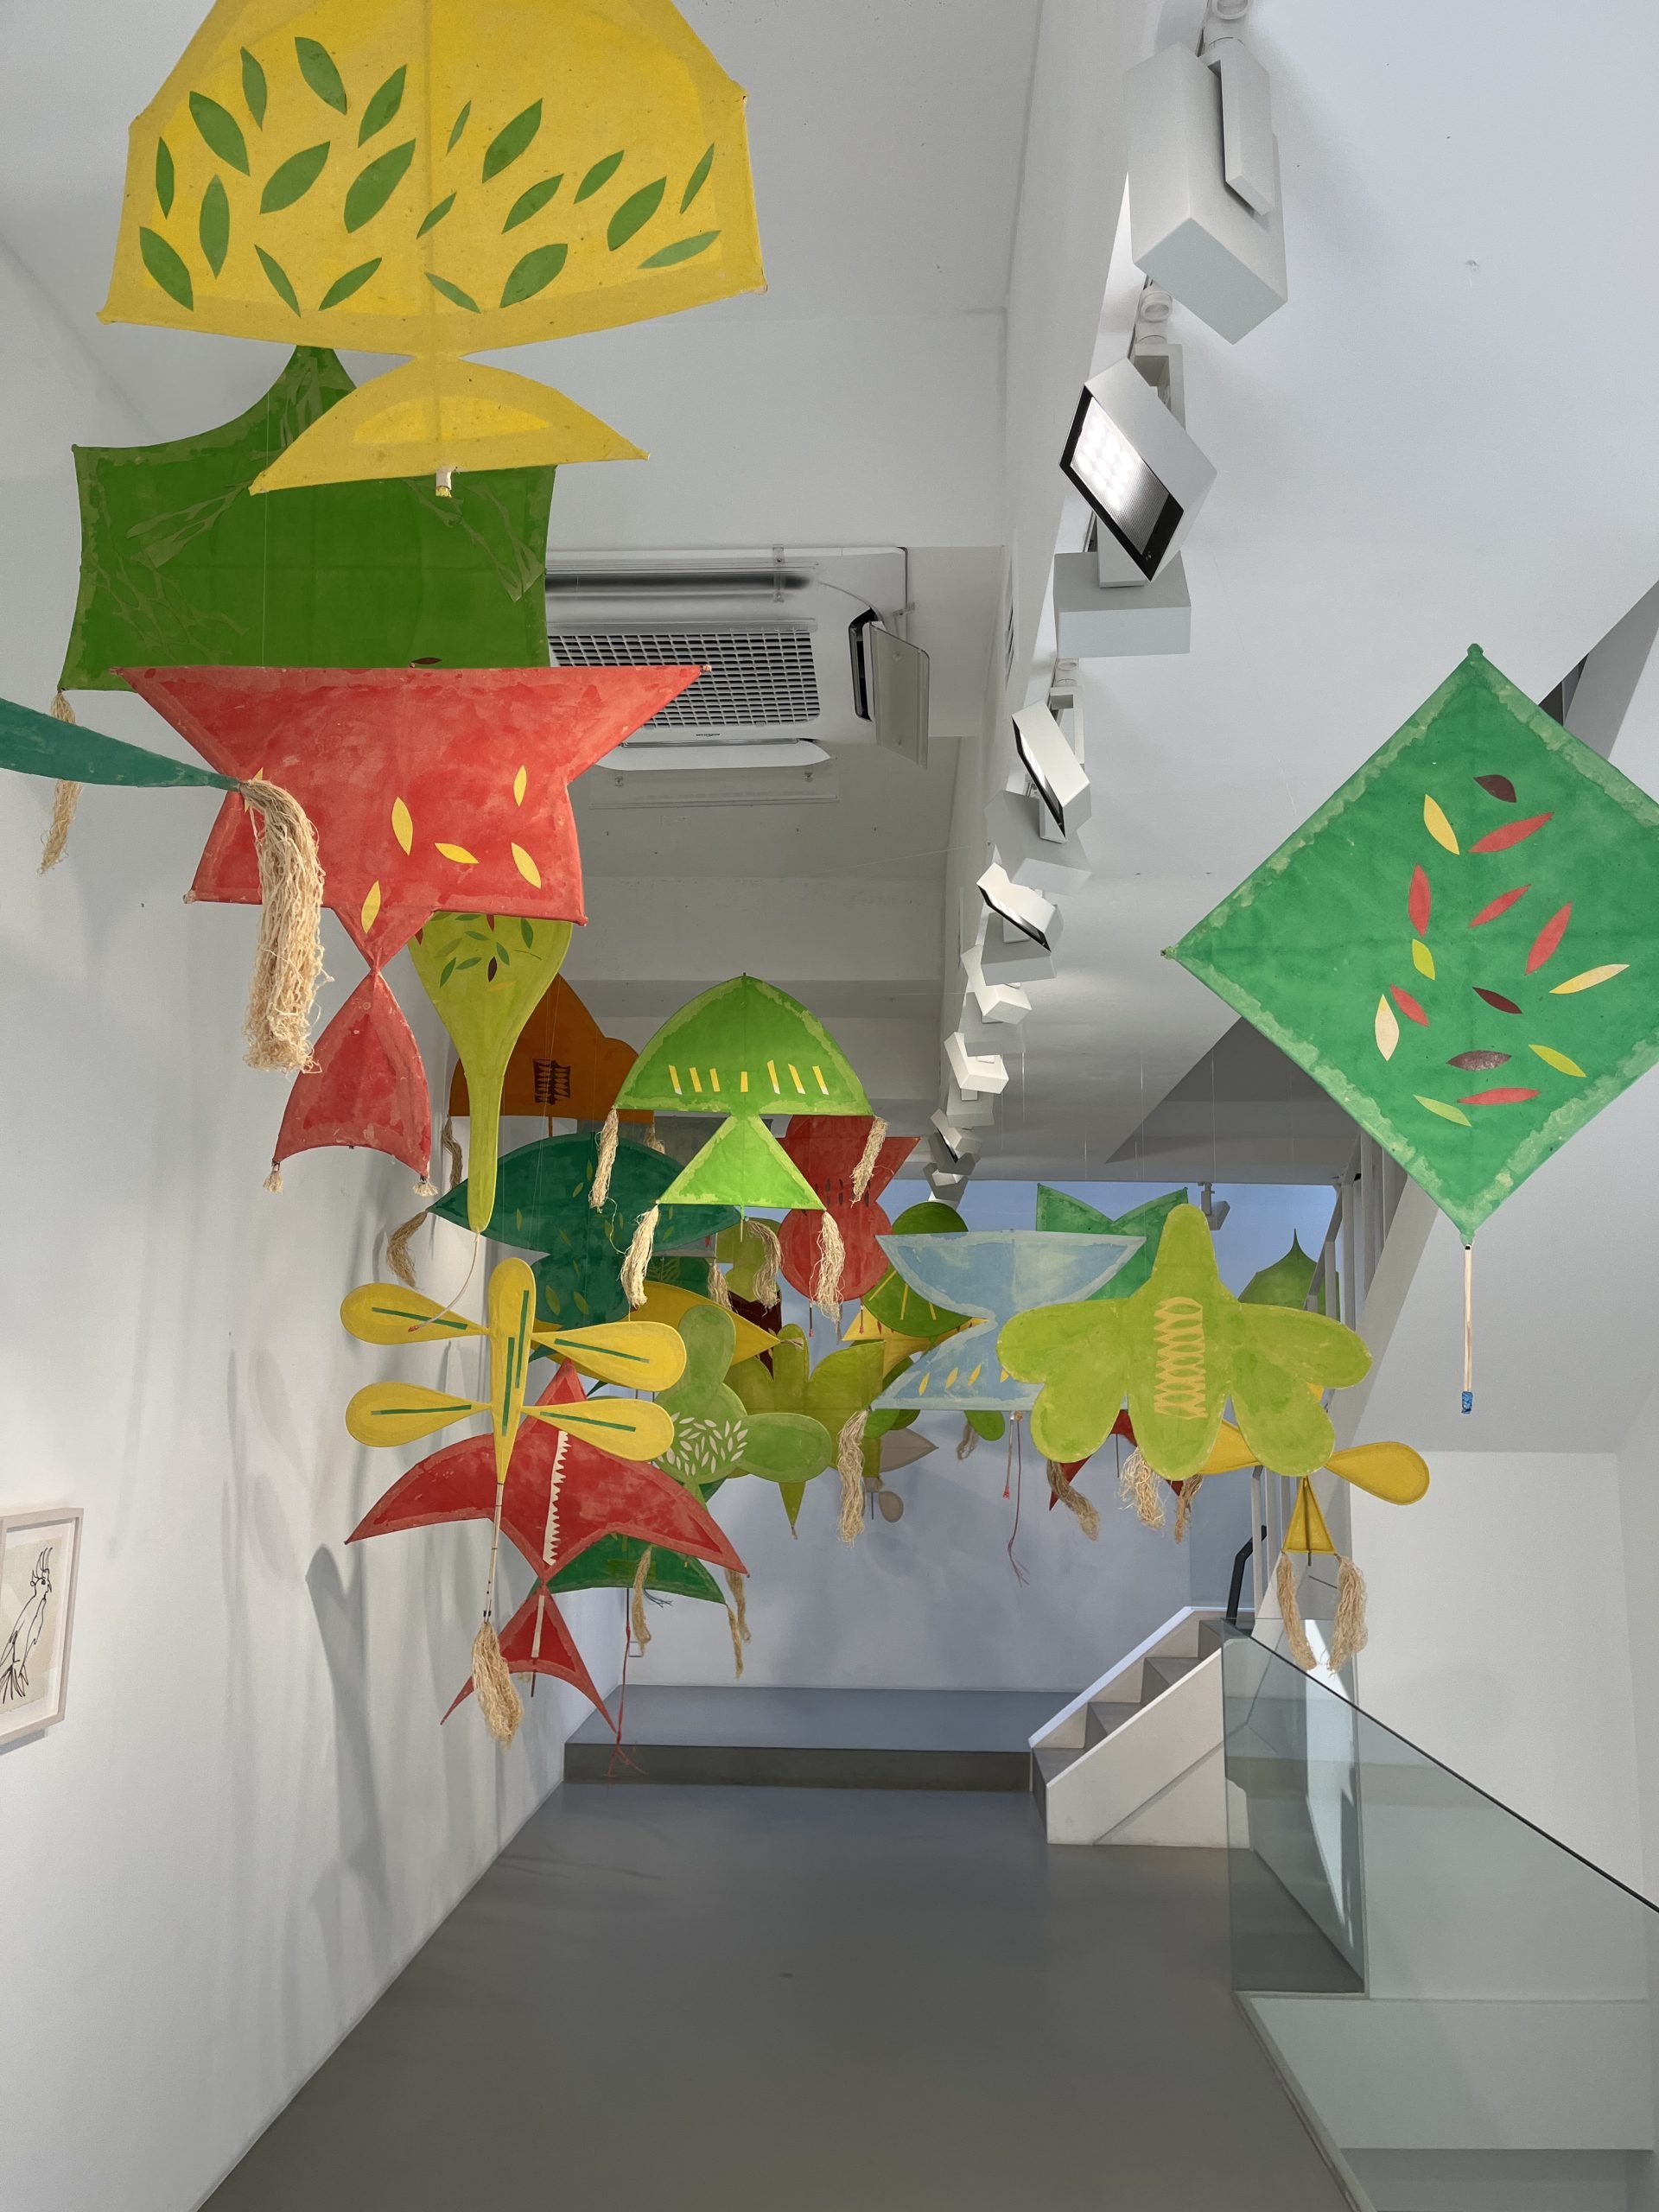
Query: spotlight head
[(1027, 913), (1004, 1004), (977, 1074), (1140, 472), (976, 1110), (1055, 771), (950, 1147)]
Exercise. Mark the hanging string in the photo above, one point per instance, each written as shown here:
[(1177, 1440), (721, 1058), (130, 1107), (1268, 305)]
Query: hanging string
[(1016, 1445), (1008, 1472), (1469, 1328)]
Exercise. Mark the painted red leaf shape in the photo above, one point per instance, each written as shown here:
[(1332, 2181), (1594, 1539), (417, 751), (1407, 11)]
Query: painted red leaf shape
[(1500, 787), (1549, 937), (1497, 999), (1478, 1063), (1498, 841), (1408, 1005), (1497, 1098), (1501, 904), (1417, 902)]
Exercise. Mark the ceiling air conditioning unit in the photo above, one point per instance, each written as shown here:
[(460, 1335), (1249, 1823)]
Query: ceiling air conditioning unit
[(801, 649)]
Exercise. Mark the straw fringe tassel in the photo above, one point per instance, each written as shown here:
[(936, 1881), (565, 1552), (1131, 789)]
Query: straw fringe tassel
[(451, 1144), (720, 1292), (498, 1700), (65, 800), (867, 1158), (1138, 1486), (737, 1645), (849, 1466), (637, 1619), (766, 1275), (1184, 1506), (426, 1188), (1348, 1632), (739, 1586), (288, 960), (967, 1442), (832, 1258), (397, 1253), (1087, 1511), (637, 1258), (273, 1182), (605, 1161), (1295, 1635), (652, 1140)]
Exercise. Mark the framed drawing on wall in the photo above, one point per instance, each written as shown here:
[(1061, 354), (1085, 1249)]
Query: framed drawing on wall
[(39, 1554)]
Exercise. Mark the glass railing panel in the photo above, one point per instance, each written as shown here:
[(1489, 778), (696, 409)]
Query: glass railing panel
[(1445, 1987)]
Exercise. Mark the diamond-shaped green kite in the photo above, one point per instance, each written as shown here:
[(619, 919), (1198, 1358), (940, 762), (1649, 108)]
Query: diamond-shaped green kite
[(1459, 944)]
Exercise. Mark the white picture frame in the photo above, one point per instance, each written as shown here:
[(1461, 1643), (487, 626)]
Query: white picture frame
[(39, 1559)]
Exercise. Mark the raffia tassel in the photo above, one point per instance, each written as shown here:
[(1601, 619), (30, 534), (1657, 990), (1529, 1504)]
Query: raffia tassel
[(1087, 1512), (720, 1291), (867, 1158), (397, 1253), (737, 1645), (1138, 1486), (1291, 1613), (451, 1148), (273, 1182), (849, 1466), (739, 1586), (653, 1141), (498, 1700), (287, 959), (426, 1188), (766, 1275), (1348, 1632), (605, 1161), (832, 1258), (637, 1258), (967, 1442), (637, 1620), (65, 799), (1183, 1505)]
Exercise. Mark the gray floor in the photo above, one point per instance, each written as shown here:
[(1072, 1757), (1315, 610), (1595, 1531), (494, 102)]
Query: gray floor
[(863, 1720), (668, 1999)]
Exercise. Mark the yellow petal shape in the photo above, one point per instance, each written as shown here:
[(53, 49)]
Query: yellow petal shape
[(387, 1313), (639, 1355), (520, 785), (1559, 1061), (402, 828), (1589, 979), (1446, 1113), (1422, 959), (527, 867), (1438, 827), (1388, 1029), (460, 854), (371, 908), (1391, 1471), (619, 1425), (398, 1412)]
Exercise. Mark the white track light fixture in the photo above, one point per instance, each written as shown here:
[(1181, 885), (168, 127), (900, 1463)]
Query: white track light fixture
[(984, 1074), (968, 1109), (1004, 1004), (1142, 475), (946, 1185), (1056, 773), (950, 1146), (1204, 215), (1025, 913)]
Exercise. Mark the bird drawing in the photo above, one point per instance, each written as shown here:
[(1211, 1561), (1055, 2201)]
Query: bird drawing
[(26, 1633)]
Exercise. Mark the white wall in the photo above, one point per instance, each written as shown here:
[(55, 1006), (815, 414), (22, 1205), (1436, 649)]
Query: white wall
[(250, 1817)]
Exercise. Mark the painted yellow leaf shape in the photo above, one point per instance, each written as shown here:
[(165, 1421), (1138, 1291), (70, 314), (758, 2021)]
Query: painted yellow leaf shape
[(402, 828), (1559, 1061), (460, 854), (527, 867), (1388, 1029), (1589, 979), (520, 785), (371, 907), (1446, 1113), (1422, 959), (1438, 827)]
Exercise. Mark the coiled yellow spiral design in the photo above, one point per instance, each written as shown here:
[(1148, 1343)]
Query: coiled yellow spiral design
[(1178, 1359)]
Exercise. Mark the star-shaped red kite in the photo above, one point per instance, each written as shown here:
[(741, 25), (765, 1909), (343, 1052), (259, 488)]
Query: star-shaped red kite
[(431, 790), (826, 1148)]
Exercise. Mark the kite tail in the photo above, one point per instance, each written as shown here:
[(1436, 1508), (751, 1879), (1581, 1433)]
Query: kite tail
[(637, 1258), (832, 1258), (1073, 1499), (288, 961), (637, 1620), (1295, 1635), (1348, 1632), (766, 1275), (604, 1160), (849, 1466), (867, 1158), (65, 800), (1137, 1485)]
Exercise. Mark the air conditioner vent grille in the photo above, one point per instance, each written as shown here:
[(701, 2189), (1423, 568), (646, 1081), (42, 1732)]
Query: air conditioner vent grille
[(752, 677)]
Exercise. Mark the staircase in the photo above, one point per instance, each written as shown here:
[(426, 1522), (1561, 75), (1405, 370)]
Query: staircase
[(1137, 1758)]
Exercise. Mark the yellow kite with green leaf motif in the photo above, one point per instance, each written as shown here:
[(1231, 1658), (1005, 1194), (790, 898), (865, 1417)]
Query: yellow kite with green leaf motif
[(437, 178)]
